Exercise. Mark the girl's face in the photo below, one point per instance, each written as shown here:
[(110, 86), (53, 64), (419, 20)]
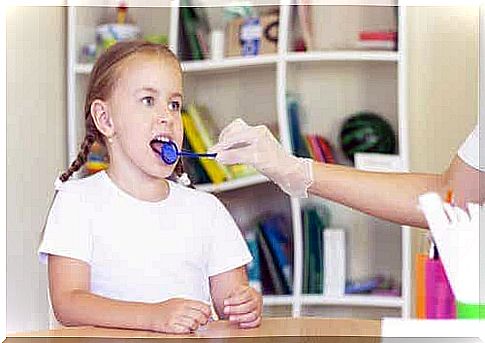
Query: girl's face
[(145, 104)]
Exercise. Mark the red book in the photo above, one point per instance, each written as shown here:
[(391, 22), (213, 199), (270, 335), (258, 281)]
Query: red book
[(378, 35), (326, 149), (316, 148)]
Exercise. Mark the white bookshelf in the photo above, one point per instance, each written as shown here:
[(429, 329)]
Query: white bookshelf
[(376, 79)]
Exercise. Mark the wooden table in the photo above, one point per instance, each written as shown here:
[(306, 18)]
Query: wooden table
[(284, 330)]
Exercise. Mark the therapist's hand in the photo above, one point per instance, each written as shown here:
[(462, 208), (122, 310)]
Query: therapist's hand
[(244, 307), (456, 233), (256, 146)]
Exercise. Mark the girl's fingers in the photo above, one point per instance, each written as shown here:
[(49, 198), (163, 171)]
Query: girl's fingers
[(240, 297), (244, 318), (201, 307), (250, 325), (188, 322), (198, 316), (241, 309)]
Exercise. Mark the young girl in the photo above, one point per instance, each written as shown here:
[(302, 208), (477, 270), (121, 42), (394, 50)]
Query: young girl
[(126, 247)]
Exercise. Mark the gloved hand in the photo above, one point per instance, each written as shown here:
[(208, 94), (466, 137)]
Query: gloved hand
[(456, 234), (256, 146)]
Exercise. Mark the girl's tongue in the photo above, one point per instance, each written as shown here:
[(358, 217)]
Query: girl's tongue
[(156, 145)]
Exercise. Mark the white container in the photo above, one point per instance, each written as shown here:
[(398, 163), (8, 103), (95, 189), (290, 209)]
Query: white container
[(217, 45)]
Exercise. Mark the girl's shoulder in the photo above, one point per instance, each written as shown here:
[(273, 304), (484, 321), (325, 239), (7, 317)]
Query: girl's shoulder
[(80, 185), (192, 196)]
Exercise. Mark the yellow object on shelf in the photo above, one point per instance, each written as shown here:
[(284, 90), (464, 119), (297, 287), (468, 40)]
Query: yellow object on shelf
[(212, 168)]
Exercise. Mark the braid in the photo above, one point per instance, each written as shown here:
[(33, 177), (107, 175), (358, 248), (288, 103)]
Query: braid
[(80, 159)]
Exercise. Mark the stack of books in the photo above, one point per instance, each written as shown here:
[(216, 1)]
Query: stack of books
[(194, 32), (378, 40), (306, 145), (200, 133), (271, 268)]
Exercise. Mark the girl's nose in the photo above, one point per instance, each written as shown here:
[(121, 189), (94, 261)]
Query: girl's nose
[(164, 118)]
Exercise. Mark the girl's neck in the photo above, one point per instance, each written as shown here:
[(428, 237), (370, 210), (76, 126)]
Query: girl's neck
[(139, 184)]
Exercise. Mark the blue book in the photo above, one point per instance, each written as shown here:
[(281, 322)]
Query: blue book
[(254, 267), (273, 232), (297, 140)]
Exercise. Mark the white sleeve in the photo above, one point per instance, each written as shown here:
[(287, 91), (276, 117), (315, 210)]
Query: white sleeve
[(67, 231), (228, 249), (469, 150)]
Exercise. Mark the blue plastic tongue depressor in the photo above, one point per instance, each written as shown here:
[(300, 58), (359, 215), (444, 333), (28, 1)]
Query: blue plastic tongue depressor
[(169, 153)]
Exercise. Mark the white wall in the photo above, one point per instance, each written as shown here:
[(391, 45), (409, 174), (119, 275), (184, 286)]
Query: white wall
[(443, 82), (443, 88), (36, 153)]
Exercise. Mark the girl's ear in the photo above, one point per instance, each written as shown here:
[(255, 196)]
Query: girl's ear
[(102, 119)]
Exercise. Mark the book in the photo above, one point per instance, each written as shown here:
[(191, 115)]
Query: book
[(193, 168), (304, 17), (309, 147), (326, 149), (189, 22), (313, 268), (420, 282), (272, 228), (206, 134), (316, 253), (202, 29), (315, 146), (213, 170), (382, 40), (306, 252), (335, 262), (297, 140), (270, 263), (253, 268)]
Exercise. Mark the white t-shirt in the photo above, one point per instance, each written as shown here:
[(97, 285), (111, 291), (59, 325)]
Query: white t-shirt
[(140, 250), (469, 151)]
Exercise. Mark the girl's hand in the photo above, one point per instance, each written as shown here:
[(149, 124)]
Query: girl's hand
[(244, 307), (179, 316)]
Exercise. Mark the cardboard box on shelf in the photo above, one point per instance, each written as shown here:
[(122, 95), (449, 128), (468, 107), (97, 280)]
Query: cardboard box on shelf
[(252, 36)]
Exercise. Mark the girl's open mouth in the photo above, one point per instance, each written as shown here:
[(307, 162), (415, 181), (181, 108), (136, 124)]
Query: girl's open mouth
[(157, 142)]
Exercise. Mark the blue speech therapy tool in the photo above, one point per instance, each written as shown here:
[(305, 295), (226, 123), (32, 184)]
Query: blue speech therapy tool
[(169, 153)]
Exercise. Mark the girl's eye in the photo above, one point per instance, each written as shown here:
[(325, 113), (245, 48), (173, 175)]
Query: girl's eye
[(174, 106), (148, 100)]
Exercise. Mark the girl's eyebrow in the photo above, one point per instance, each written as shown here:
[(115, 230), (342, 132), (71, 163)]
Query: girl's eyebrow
[(148, 89), (154, 90), (175, 95)]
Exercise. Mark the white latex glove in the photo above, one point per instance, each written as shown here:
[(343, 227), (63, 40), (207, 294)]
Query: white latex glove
[(256, 146), (456, 234)]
